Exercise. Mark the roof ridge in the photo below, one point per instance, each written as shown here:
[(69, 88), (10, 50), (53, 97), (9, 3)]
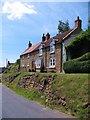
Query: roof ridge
[(70, 32), (32, 48)]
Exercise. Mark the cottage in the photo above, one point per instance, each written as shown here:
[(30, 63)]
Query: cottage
[(50, 53)]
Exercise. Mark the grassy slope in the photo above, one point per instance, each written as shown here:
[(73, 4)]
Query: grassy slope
[(73, 86), (0, 77)]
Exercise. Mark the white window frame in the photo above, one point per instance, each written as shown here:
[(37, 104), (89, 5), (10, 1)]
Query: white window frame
[(28, 64), (52, 47), (23, 57), (52, 63), (22, 64), (40, 50), (38, 63), (28, 56)]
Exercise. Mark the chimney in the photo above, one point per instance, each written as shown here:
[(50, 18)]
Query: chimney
[(43, 38), (47, 36), (78, 23), (29, 44)]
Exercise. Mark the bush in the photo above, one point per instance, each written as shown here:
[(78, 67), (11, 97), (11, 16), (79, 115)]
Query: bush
[(79, 65)]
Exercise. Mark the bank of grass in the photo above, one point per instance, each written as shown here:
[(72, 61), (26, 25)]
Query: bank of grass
[(74, 87), (30, 94), (0, 77)]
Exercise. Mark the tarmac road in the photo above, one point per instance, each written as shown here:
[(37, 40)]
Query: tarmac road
[(0, 101), (15, 106)]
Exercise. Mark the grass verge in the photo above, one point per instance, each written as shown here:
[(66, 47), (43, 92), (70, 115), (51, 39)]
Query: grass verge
[(74, 87)]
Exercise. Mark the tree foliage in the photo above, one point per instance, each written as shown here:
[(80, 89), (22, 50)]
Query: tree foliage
[(89, 25), (62, 27)]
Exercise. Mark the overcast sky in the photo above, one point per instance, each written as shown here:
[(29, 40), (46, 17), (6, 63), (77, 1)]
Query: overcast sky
[(27, 21)]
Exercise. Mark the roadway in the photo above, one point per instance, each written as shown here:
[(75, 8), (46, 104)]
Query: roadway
[(15, 106)]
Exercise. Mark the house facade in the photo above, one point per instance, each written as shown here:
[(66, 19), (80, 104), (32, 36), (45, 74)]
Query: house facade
[(50, 53)]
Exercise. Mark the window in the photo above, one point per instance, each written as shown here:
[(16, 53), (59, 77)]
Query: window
[(22, 64), (28, 56), (52, 62), (40, 50), (28, 64), (52, 47), (23, 57), (38, 63)]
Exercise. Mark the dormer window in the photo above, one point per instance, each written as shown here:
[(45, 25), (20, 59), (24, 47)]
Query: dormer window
[(52, 47), (28, 56), (23, 57), (40, 50)]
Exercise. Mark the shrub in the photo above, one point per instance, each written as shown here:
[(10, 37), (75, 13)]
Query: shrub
[(79, 65), (84, 57)]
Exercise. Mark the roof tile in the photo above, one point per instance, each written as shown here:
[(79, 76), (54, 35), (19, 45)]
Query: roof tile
[(32, 48)]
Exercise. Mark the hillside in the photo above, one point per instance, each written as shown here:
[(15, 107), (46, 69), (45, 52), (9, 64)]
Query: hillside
[(64, 92)]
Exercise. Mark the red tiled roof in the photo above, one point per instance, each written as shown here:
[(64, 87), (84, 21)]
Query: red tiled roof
[(60, 37), (32, 48)]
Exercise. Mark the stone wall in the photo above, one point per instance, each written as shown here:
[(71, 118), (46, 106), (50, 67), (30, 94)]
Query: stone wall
[(43, 86)]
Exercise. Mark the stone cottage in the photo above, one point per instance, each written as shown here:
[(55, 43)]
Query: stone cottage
[(50, 53)]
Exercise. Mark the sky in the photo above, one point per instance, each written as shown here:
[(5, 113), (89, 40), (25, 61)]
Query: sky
[(24, 21)]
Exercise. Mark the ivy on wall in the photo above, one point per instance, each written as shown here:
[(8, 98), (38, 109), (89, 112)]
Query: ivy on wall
[(79, 45)]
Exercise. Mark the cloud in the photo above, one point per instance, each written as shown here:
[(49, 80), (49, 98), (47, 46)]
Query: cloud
[(16, 10)]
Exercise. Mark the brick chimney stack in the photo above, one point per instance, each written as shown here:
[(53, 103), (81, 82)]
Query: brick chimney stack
[(29, 44), (47, 36), (78, 23), (43, 38)]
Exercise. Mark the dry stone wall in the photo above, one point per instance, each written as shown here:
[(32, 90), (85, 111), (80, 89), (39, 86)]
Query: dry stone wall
[(43, 86)]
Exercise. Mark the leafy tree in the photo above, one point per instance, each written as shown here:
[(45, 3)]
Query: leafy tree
[(89, 25), (18, 61), (66, 28), (62, 27)]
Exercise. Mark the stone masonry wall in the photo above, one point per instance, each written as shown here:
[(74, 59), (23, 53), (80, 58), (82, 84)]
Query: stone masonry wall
[(43, 86)]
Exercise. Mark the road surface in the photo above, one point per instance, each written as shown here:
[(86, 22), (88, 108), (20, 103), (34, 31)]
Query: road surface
[(0, 101), (15, 106)]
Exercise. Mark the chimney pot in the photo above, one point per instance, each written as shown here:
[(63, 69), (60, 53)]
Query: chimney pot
[(43, 38), (78, 23), (29, 44), (47, 36)]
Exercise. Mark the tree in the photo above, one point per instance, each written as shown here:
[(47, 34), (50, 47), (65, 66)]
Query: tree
[(62, 27), (89, 25), (66, 28)]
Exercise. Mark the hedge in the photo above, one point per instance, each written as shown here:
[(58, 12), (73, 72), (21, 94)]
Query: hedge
[(79, 65)]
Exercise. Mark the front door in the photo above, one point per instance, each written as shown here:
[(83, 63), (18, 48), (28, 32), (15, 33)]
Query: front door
[(33, 66)]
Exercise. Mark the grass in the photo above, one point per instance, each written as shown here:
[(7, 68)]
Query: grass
[(29, 94), (73, 86), (75, 89), (0, 77)]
